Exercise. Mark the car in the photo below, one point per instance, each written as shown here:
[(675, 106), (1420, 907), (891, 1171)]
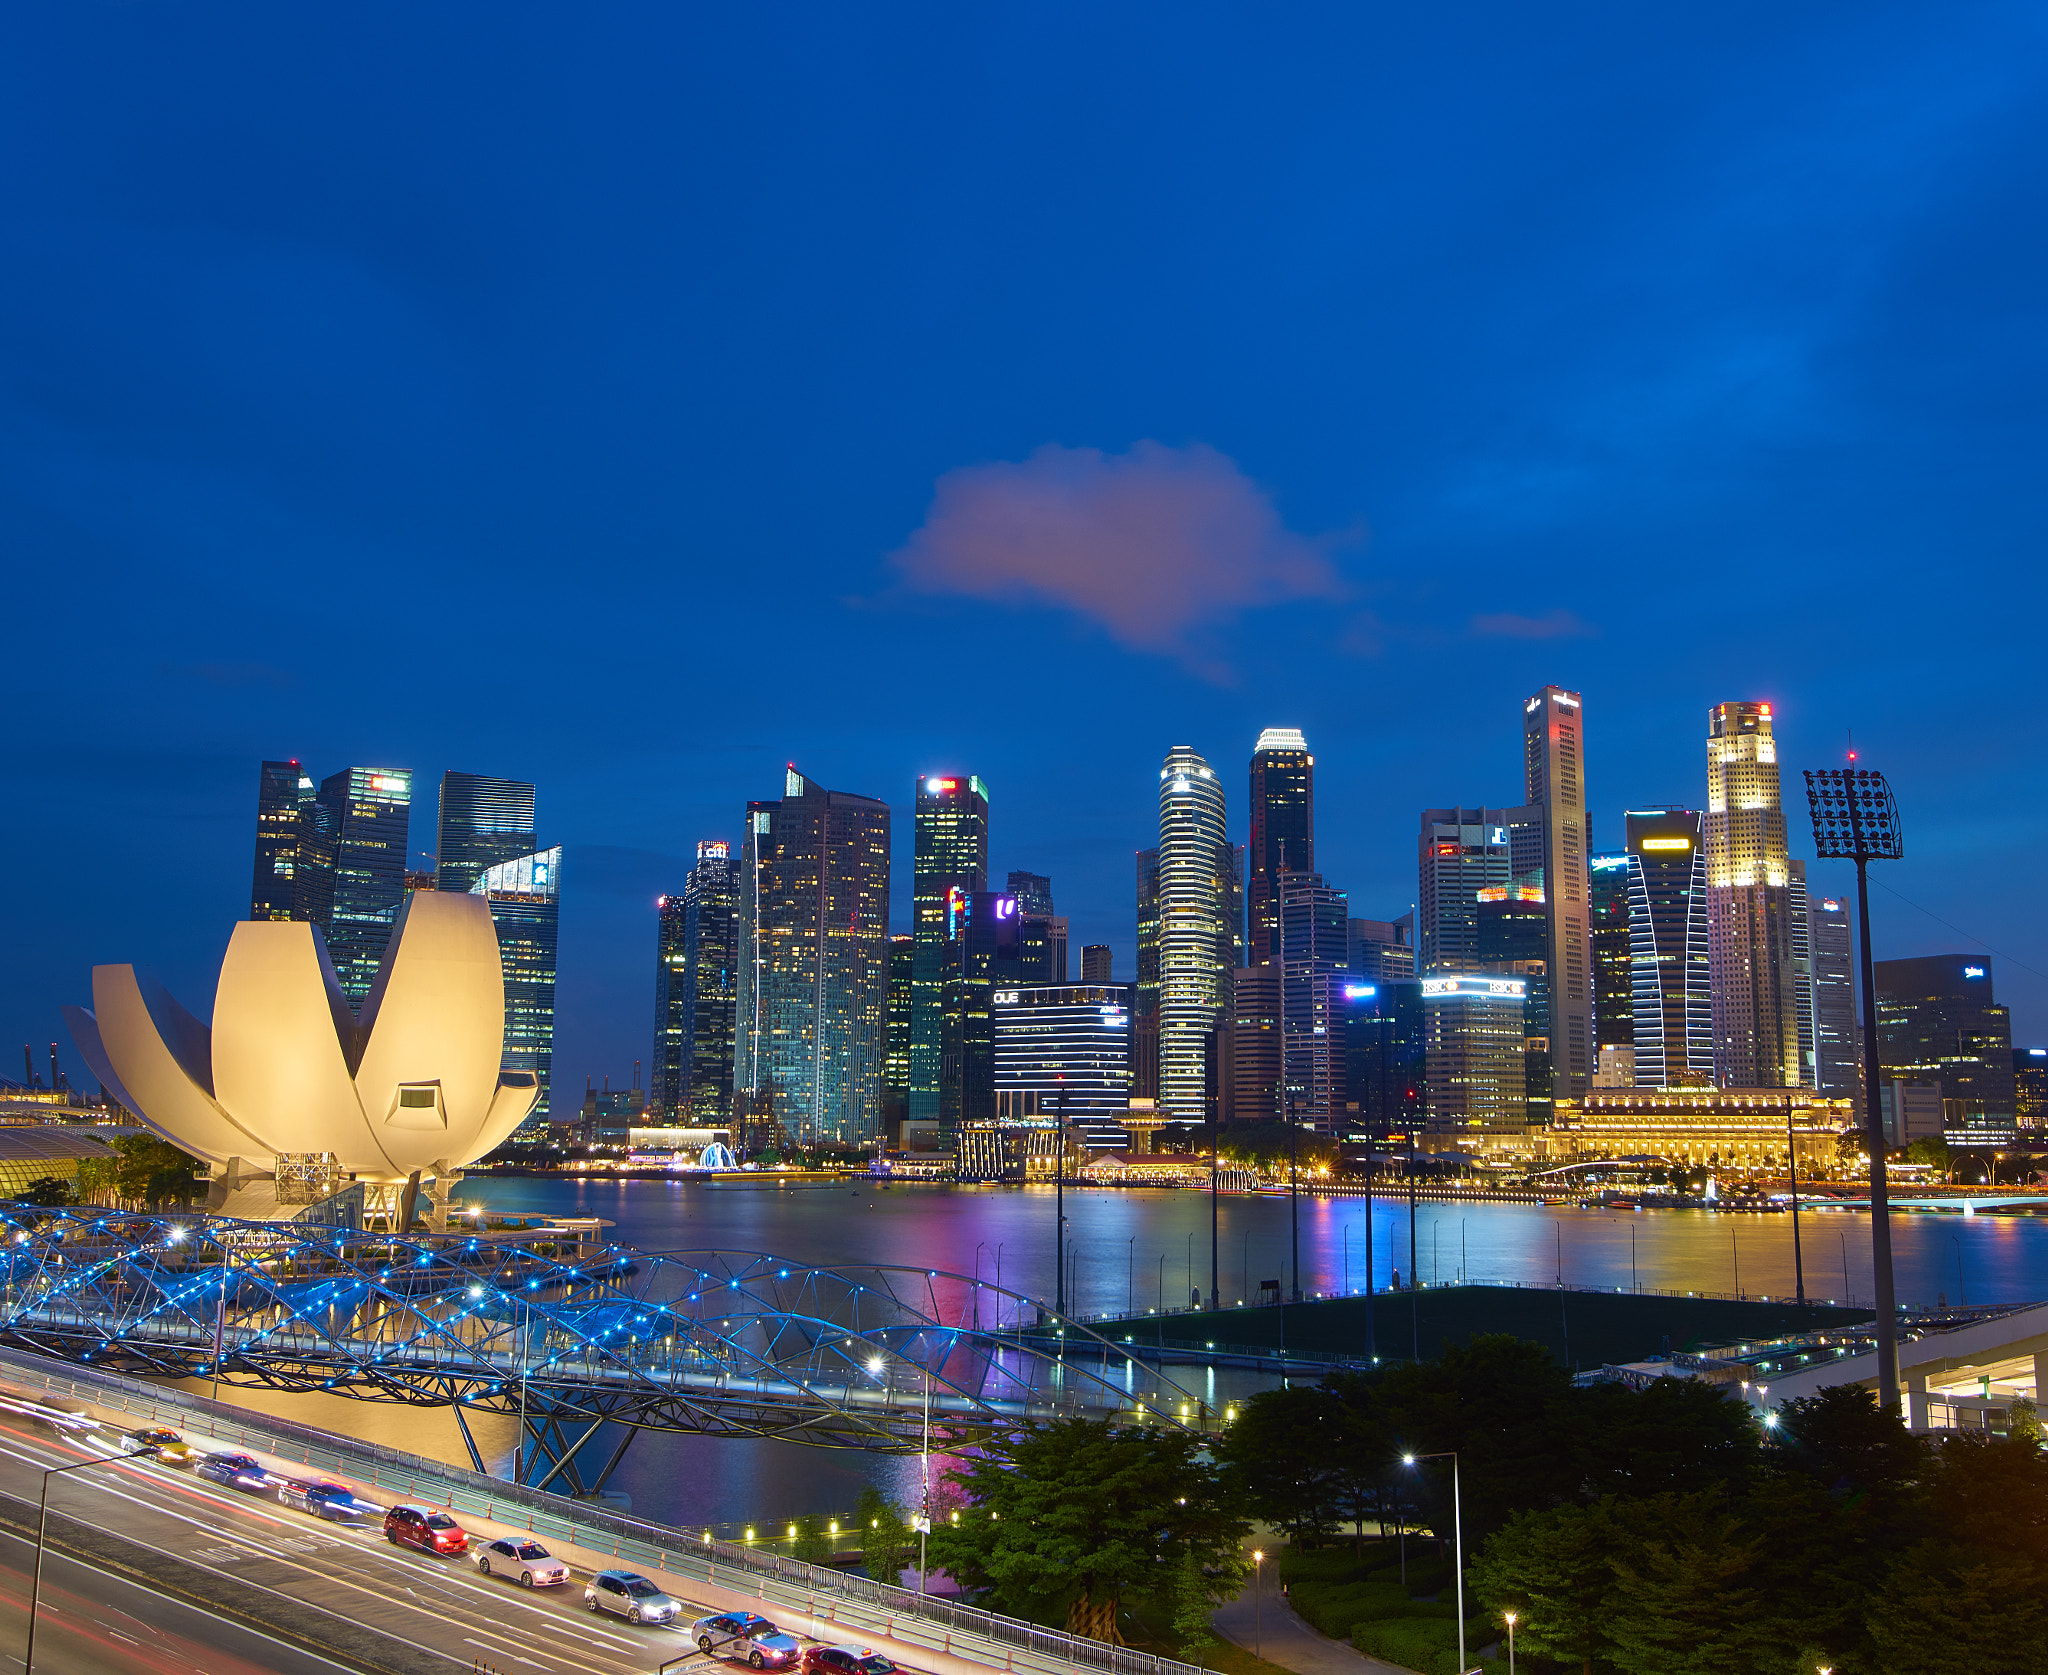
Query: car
[(522, 1557), (425, 1528), (167, 1446), (626, 1594), (746, 1635), (846, 1660), (234, 1471), (335, 1502)]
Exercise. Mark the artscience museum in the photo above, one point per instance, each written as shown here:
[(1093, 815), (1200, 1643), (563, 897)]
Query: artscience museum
[(300, 1104)]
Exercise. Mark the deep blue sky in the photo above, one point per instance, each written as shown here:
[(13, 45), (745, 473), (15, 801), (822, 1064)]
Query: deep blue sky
[(545, 391)]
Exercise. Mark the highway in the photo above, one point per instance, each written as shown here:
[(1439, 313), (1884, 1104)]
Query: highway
[(346, 1588)]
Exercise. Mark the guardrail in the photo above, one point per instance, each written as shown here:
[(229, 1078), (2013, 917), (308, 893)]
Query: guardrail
[(876, 1607)]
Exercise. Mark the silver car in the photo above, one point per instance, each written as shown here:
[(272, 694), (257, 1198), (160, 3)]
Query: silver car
[(746, 1635), (625, 1594), (522, 1557)]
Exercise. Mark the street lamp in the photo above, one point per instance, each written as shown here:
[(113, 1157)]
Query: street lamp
[(1457, 1536), (1510, 1616), (35, 1586), (1258, 1574)]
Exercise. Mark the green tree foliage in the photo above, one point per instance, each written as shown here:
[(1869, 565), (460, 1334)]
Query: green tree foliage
[(49, 1192), (1066, 1518), (1690, 1596), (1678, 1436), (143, 1170), (813, 1542), (886, 1538), (1191, 1606), (1931, 1150), (1947, 1610), (1843, 1439), (1553, 1570)]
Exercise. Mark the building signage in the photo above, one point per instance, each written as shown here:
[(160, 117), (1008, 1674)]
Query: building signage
[(1497, 988), (1667, 843)]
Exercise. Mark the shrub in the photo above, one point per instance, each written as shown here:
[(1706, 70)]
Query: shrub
[(1424, 1644)]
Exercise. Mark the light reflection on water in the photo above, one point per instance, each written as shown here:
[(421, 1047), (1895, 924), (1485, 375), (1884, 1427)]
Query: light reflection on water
[(1137, 1249)]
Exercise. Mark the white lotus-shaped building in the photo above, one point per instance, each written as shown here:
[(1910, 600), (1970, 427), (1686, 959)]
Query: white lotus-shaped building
[(288, 1074)]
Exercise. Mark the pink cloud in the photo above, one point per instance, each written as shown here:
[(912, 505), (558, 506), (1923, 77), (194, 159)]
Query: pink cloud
[(1154, 545), (1557, 625)]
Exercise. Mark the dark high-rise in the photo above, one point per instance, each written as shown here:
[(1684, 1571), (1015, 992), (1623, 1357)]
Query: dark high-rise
[(982, 955), (1554, 769), (1938, 1021), (951, 864), (668, 1077), (1514, 941), (1614, 998), (1042, 933), (284, 797), (814, 961), (696, 991), (1283, 834), (483, 821), (1315, 955), (526, 910), (1837, 1050), (1673, 1010), (364, 814), (896, 1026), (1145, 1015), (1386, 1069), (1383, 948), (1253, 1066), (1096, 963), (1033, 892)]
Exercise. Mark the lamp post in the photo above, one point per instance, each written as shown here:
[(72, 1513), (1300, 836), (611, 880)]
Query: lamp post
[(1215, 1186), (1792, 1169), (1059, 1200), (1293, 1199), (1856, 819), (1510, 1617), (978, 1249), (1258, 1576), (1131, 1275), (1457, 1536), (35, 1586)]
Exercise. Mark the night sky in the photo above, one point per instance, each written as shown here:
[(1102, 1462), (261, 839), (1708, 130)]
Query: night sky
[(635, 398)]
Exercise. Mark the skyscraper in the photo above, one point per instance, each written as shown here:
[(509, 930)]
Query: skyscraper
[(364, 814), (1800, 913), (1614, 1002), (668, 1075), (814, 961), (1145, 1013), (1939, 1020), (983, 954), (1041, 931), (697, 991), (283, 796), (1315, 953), (1386, 1058), (1096, 963), (1514, 941), (1837, 1053), (1283, 833), (896, 1028), (1474, 1039), (1196, 889), (1553, 766), (1460, 852), (1252, 1083), (1033, 892), (1384, 948), (1749, 907), (483, 820), (1668, 963), (951, 864), (526, 908)]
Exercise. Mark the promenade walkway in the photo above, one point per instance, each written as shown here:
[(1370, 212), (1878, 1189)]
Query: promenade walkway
[(1286, 1639)]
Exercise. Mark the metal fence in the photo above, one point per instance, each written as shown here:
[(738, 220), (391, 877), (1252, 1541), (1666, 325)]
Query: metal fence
[(859, 1603)]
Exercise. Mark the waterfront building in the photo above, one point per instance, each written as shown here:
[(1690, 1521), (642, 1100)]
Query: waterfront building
[(1938, 1021), (1315, 954), (1283, 826), (1385, 1057), (697, 992), (1802, 966), (668, 1075), (2030, 1088), (1145, 1016), (1752, 976), (609, 1117), (1096, 963), (1553, 764), (1475, 1046), (1460, 852), (1250, 1058), (1910, 1111), (896, 1023), (363, 821), (1669, 968), (1383, 949), (526, 912), (1514, 941), (951, 864), (1737, 1129), (1065, 1038), (1837, 1044), (284, 796), (1614, 997), (483, 821), (982, 955), (814, 961), (1197, 890)]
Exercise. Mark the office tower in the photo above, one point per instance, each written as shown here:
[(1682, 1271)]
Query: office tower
[(1071, 1039), (1385, 1057), (526, 912), (1252, 1071), (1614, 1000), (1096, 963), (1553, 766), (703, 994), (1033, 892), (1196, 890), (484, 820), (1938, 1021), (1283, 833), (364, 815), (983, 954), (814, 962), (283, 795), (1749, 906), (668, 1074), (1799, 914), (1235, 936), (1145, 1014), (896, 1028), (1514, 941), (1474, 1040), (1315, 960), (1667, 927), (2030, 1088), (1460, 852), (1837, 1050), (951, 864), (1383, 948)]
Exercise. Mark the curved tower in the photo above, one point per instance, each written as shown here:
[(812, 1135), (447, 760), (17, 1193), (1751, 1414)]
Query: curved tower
[(1195, 888), (1749, 904)]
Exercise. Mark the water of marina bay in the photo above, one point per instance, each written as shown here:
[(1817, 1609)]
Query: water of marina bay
[(1136, 1249)]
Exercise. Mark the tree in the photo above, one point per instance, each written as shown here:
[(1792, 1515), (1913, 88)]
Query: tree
[(1278, 1450), (812, 1544), (49, 1192), (1933, 1151), (1949, 1611), (1191, 1606), (1552, 1569), (1690, 1596), (1677, 1436), (153, 1171), (1842, 1437), (887, 1540), (1069, 1516)]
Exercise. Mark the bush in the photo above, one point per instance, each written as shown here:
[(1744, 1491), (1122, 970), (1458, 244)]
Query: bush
[(1426, 1645), (1335, 1606)]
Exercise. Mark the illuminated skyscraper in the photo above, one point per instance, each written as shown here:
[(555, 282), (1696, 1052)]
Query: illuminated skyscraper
[(896, 1047), (1196, 889), (1283, 833), (284, 799), (1614, 1000), (814, 961), (1837, 1052), (1514, 941), (483, 820), (1145, 1015), (1668, 966), (526, 912), (1553, 766), (1756, 993), (1096, 963), (951, 864), (697, 992), (1315, 950), (668, 1075), (982, 955), (1474, 1039), (364, 816), (1460, 852)]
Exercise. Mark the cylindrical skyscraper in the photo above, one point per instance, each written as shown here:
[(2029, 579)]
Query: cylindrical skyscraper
[(1749, 907), (1194, 895)]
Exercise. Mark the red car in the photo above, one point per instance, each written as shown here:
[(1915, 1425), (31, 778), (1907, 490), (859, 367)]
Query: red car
[(845, 1660), (426, 1529)]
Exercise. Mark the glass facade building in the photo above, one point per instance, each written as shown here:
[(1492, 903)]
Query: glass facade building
[(697, 991), (1473, 1039), (1460, 852), (668, 1077), (814, 962), (1837, 1050), (363, 820), (1198, 888), (525, 898), (951, 863), (896, 1038), (1757, 997), (982, 955), (483, 821), (1145, 1015), (1668, 963), (1514, 941), (1283, 805), (1385, 1056), (284, 798), (1554, 775), (1614, 997), (1071, 1037), (1315, 962), (1938, 1020)]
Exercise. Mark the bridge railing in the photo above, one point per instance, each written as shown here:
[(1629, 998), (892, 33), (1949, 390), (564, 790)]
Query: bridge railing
[(857, 1601)]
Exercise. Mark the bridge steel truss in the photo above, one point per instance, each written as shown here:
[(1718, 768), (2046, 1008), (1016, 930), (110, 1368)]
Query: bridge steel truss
[(570, 1339)]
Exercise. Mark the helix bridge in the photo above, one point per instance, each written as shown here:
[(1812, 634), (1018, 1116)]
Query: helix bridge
[(570, 1336)]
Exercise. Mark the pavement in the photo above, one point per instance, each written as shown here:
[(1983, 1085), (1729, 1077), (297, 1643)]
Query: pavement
[(1268, 1625)]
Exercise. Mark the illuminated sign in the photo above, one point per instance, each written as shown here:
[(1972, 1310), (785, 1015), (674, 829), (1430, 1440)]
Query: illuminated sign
[(935, 786), (1607, 863), (956, 911), (1004, 997), (1486, 988), (1569, 703), (1667, 843), (1358, 991), (1973, 971), (1006, 907), (389, 782), (1498, 835)]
